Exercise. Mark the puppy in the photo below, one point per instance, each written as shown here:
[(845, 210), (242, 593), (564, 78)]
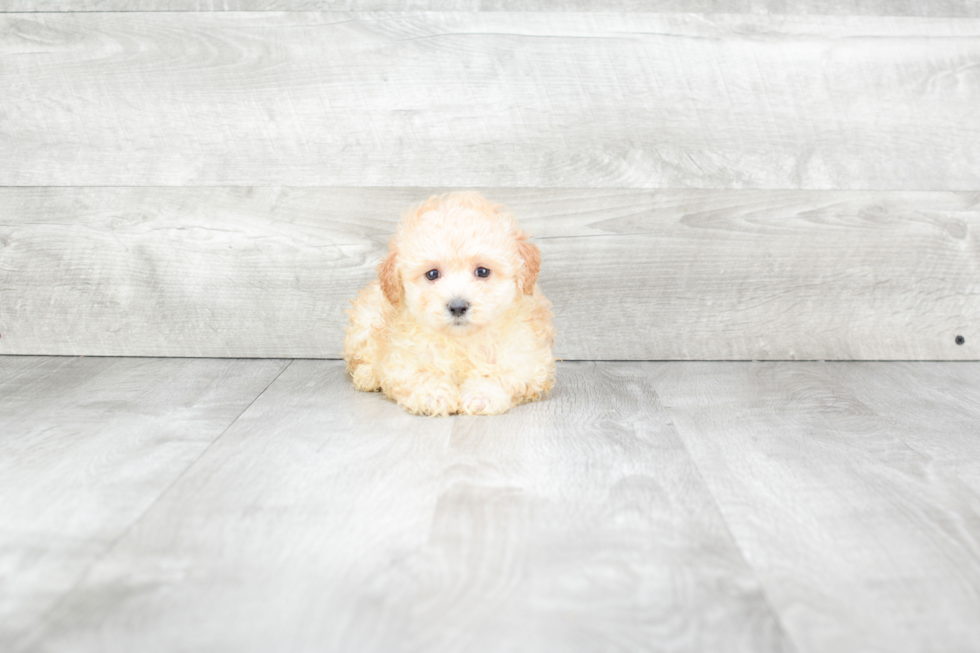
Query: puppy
[(455, 322)]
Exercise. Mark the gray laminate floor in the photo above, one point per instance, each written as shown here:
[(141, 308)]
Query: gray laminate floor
[(264, 505)]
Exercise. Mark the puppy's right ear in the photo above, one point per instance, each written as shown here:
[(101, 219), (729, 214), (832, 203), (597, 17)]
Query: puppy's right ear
[(391, 285)]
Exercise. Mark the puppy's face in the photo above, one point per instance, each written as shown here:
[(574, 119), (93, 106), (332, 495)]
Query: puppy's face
[(457, 268)]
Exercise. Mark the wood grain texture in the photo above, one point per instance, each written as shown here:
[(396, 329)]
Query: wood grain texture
[(531, 99), (917, 402), (863, 538), (683, 274), (86, 447), (327, 519), (947, 8), (642, 506)]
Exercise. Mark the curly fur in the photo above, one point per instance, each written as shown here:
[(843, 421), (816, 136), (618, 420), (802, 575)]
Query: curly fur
[(404, 340)]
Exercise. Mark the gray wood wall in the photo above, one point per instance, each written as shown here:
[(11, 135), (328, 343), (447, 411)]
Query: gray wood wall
[(753, 180)]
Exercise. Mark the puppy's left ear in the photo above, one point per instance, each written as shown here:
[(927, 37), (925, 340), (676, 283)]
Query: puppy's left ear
[(531, 256)]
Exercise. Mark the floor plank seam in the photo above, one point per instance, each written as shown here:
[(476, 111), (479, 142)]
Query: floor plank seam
[(776, 616), (38, 630)]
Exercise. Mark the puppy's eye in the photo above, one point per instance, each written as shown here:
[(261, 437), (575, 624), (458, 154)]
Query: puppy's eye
[(432, 275), (483, 273)]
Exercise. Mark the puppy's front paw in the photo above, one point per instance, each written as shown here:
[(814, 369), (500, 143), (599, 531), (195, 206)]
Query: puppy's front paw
[(435, 400), (364, 377), (483, 397)]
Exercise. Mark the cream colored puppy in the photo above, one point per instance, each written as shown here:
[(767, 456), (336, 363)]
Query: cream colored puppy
[(455, 322)]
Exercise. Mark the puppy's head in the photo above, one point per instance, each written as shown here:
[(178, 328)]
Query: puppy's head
[(457, 262)]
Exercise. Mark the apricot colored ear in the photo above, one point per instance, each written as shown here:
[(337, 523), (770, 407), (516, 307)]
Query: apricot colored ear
[(388, 277), (531, 255)]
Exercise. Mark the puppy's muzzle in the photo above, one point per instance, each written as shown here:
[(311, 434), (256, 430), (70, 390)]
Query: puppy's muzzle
[(458, 307)]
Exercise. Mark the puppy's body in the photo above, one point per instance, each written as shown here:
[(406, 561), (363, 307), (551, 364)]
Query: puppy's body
[(455, 322)]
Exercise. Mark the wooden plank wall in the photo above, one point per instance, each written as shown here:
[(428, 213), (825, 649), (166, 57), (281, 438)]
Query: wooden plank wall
[(951, 8), (754, 180)]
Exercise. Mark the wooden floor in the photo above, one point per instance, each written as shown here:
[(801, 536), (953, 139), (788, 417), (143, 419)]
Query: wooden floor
[(264, 505)]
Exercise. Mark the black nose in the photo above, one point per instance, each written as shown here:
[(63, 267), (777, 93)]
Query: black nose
[(457, 307)]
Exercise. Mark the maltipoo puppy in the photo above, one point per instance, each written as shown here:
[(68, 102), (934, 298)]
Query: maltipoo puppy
[(455, 322)]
